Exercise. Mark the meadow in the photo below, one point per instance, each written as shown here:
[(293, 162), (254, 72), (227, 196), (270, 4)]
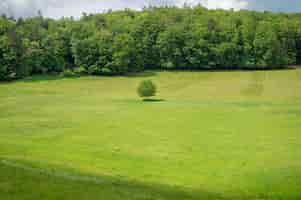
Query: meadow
[(214, 135)]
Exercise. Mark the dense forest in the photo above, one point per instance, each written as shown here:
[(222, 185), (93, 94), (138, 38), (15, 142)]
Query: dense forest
[(126, 41)]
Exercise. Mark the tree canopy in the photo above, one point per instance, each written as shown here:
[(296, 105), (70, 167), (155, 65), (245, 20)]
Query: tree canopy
[(119, 42)]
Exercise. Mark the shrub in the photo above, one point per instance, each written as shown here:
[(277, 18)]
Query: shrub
[(106, 71), (147, 89), (80, 71), (69, 73), (93, 70)]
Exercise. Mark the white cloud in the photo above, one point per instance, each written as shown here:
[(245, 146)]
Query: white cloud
[(227, 4), (58, 8), (214, 4)]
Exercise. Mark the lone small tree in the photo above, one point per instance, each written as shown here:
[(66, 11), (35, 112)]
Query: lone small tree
[(147, 89)]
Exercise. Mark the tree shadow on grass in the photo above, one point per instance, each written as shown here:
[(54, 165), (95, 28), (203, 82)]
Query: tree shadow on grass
[(153, 100), (53, 77), (55, 181), (141, 74), (41, 78)]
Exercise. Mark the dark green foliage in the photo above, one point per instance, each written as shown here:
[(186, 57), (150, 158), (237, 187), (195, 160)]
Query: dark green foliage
[(147, 89), (7, 59), (268, 50), (171, 44), (116, 43)]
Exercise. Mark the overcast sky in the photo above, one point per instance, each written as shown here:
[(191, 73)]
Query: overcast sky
[(59, 8)]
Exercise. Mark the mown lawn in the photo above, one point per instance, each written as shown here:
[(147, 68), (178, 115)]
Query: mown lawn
[(217, 135)]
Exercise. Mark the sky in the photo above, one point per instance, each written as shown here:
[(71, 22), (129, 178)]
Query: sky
[(75, 8)]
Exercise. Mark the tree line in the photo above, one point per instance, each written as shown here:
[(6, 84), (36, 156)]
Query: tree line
[(120, 42)]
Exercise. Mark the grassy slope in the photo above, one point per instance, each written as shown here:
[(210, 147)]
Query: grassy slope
[(218, 135)]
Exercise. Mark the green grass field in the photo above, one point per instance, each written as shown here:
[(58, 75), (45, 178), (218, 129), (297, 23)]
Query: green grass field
[(216, 135)]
